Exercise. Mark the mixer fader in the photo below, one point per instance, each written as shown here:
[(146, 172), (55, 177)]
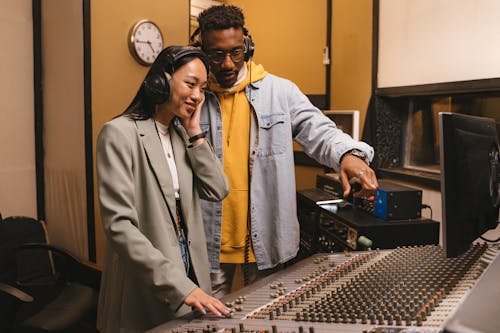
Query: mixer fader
[(405, 290)]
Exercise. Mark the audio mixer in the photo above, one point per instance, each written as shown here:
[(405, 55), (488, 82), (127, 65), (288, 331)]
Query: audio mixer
[(413, 289)]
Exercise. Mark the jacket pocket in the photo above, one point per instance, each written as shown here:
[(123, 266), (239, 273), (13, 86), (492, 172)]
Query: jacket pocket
[(273, 134)]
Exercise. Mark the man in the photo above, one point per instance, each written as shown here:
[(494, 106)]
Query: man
[(252, 117)]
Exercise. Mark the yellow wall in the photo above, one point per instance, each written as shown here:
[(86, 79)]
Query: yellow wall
[(289, 38), (352, 55), (351, 67), (116, 76)]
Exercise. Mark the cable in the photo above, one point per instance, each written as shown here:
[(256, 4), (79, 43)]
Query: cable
[(426, 206), (490, 240), (250, 91), (246, 273)]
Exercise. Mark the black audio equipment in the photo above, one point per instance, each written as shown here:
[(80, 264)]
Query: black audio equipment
[(330, 183), (339, 225), (397, 202), (392, 201), (405, 290)]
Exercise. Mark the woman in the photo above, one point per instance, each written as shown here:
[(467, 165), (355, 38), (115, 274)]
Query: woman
[(153, 165)]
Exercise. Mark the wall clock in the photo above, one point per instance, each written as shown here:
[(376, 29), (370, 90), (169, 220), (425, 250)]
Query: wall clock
[(145, 42)]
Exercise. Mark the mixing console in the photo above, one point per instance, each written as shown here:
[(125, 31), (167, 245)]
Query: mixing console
[(405, 290)]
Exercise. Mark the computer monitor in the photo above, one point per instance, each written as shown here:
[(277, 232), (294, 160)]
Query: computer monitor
[(346, 120), (469, 159)]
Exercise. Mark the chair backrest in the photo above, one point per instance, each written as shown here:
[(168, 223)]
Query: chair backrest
[(27, 265)]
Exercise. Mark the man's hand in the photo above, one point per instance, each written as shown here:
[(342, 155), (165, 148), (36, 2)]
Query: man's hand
[(201, 301), (352, 166)]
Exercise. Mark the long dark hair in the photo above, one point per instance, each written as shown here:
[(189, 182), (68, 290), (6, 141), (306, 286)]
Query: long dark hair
[(169, 60)]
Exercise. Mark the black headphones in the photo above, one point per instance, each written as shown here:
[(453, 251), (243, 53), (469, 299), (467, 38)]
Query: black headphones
[(158, 83), (247, 41)]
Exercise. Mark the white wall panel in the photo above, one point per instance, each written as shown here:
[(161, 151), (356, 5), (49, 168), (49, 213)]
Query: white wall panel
[(436, 41), (17, 138)]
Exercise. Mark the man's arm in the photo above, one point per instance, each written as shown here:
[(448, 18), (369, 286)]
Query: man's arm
[(327, 144)]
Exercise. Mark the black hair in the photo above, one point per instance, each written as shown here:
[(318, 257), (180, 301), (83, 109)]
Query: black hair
[(221, 17), (169, 60)]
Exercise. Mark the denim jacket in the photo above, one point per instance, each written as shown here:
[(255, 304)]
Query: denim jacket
[(281, 114)]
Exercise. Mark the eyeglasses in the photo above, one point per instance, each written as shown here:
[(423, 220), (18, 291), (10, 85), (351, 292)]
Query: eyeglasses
[(237, 54)]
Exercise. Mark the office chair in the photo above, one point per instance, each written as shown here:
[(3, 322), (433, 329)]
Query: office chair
[(43, 288)]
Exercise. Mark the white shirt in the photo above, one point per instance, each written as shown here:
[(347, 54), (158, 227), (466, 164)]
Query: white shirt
[(166, 143)]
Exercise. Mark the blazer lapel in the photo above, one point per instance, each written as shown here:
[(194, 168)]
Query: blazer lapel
[(184, 171), (158, 162)]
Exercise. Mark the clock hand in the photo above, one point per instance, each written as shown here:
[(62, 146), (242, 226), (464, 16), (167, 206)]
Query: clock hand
[(141, 41), (151, 46)]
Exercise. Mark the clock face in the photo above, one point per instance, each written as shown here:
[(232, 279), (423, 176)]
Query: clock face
[(146, 42)]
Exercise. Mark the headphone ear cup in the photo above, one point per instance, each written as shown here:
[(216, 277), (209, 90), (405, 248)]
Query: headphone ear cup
[(157, 87), (249, 46)]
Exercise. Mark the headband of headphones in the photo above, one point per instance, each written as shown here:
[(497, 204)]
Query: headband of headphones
[(158, 83), (247, 41)]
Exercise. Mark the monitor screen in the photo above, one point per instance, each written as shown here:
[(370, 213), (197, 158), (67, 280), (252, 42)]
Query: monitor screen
[(346, 120), (469, 179)]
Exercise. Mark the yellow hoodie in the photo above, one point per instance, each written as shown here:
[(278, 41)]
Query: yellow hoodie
[(236, 116)]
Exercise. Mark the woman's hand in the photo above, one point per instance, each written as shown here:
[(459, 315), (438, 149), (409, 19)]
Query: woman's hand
[(192, 124), (201, 301)]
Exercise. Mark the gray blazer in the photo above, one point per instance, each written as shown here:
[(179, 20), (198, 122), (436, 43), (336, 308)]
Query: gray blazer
[(144, 282)]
